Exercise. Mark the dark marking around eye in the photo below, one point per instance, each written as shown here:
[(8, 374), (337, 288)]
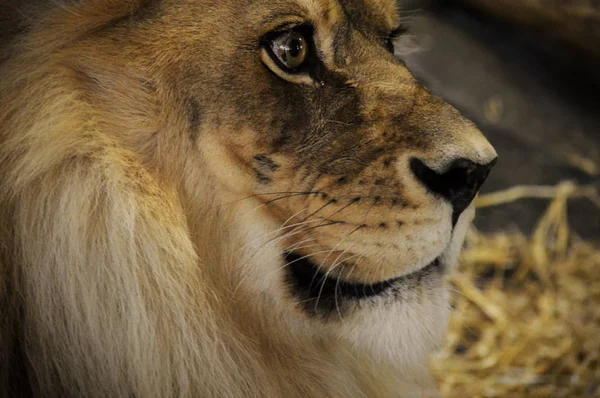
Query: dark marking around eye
[(194, 117)]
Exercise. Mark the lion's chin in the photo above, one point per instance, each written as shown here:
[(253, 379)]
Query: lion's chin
[(322, 294)]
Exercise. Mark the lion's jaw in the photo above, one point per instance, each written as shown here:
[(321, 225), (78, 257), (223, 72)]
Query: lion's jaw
[(397, 329)]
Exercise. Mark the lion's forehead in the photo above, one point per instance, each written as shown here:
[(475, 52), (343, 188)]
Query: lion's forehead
[(326, 14), (371, 12)]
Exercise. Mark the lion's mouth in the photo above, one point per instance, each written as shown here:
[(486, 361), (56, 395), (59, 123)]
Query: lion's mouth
[(321, 293)]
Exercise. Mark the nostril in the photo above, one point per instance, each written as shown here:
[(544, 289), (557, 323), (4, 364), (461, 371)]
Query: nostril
[(458, 184)]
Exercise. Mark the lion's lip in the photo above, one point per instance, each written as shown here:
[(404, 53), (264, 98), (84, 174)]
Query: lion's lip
[(309, 281)]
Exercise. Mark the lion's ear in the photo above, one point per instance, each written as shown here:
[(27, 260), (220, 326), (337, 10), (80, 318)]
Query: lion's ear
[(105, 266)]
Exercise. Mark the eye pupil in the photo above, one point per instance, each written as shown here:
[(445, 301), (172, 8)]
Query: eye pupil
[(295, 48), (291, 49)]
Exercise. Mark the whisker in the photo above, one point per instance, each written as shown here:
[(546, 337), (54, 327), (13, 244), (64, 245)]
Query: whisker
[(290, 218), (333, 266), (285, 197), (267, 276), (261, 206), (296, 246), (299, 245), (360, 257), (353, 201), (319, 209), (267, 193), (332, 250), (324, 280), (295, 231), (381, 273), (337, 284), (279, 230), (307, 256), (323, 225), (302, 258), (378, 268)]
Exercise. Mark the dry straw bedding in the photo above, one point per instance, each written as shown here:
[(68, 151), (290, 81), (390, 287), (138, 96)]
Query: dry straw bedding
[(527, 309)]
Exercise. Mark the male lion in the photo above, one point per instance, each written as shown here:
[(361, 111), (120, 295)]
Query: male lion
[(226, 198)]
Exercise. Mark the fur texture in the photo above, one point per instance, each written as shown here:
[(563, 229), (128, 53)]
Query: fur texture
[(155, 166)]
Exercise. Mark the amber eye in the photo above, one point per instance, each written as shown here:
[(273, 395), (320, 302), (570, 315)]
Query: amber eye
[(291, 49)]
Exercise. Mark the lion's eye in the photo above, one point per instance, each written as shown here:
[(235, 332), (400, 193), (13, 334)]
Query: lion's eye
[(291, 49)]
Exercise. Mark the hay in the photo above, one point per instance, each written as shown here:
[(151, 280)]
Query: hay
[(527, 310)]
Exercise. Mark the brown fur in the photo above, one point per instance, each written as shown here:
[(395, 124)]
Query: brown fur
[(150, 169)]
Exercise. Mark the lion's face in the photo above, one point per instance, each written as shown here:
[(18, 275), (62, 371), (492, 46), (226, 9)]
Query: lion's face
[(301, 107)]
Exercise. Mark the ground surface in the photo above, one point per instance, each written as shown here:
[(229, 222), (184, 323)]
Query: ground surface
[(539, 104)]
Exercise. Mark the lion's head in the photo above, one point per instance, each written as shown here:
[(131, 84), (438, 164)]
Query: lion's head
[(269, 165)]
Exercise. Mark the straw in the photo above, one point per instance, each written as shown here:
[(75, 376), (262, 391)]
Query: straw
[(526, 321)]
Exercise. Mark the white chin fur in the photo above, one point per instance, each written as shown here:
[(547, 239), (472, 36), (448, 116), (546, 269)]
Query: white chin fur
[(396, 332), (404, 332)]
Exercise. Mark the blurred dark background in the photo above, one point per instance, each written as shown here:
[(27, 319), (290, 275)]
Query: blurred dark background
[(531, 83)]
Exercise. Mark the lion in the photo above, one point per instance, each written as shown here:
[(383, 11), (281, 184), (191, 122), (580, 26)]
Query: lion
[(224, 199)]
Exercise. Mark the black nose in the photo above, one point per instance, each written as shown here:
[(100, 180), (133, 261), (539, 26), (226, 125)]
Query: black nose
[(458, 184)]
